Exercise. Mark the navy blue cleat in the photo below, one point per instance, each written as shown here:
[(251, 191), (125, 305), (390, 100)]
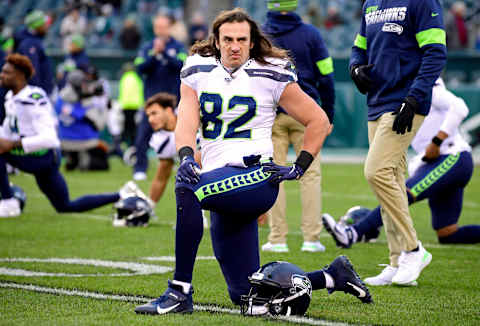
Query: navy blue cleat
[(172, 301), (347, 280)]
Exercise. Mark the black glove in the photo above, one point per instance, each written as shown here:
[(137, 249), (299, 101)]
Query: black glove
[(281, 173), (188, 171), (404, 115), (359, 75)]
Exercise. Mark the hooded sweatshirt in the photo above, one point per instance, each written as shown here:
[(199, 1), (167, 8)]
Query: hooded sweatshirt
[(313, 63), (405, 42), (31, 46)]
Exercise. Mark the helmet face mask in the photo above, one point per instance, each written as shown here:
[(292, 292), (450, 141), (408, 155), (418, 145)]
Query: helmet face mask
[(280, 288), (131, 211)]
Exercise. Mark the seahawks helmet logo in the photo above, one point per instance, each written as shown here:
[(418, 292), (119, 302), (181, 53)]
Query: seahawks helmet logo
[(392, 28)]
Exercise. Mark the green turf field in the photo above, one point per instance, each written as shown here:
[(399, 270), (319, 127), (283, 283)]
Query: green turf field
[(91, 250)]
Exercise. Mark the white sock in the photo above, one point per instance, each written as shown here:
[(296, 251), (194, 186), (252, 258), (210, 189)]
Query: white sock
[(329, 282), (185, 286)]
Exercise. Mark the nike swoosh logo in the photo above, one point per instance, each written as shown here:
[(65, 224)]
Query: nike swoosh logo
[(166, 310), (425, 256), (435, 14), (361, 292)]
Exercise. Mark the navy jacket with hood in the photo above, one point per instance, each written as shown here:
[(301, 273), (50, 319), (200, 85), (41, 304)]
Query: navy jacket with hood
[(313, 64), (405, 41), (161, 73), (30, 45)]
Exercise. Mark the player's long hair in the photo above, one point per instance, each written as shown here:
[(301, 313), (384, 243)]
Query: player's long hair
[(262, 46), (21, 63)]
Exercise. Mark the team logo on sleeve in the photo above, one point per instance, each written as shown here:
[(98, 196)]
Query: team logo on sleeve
[(392, 28)]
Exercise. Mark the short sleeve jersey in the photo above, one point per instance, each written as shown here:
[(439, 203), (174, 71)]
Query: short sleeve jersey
[(163, 142), (237, 110)]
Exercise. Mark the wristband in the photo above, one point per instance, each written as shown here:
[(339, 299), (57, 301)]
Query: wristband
[(437, 141), (304, 160), (185, 151)]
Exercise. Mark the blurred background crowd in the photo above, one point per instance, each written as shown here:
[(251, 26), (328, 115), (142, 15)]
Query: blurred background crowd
[(100, 40)]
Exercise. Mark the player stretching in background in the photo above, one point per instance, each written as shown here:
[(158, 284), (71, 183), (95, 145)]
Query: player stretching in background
[(439, 172), (29, 142)]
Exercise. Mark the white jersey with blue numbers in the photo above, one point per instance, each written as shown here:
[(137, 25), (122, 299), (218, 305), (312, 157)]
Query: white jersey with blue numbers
[(237, 110), (29, 117), (163, 142)]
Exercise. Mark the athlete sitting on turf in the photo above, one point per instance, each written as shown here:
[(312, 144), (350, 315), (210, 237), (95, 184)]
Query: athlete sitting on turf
[(439, 173), (230, 88), (29, 142)]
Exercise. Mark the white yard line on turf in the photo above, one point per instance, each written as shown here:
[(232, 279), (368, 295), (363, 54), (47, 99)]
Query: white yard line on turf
[(129, 298)]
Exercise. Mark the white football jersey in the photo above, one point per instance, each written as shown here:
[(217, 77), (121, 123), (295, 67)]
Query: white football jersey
[(446, 114), (29, 117), (237, 110), (163, 142)]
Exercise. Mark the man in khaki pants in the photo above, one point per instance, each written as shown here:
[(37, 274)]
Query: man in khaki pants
[(315, 76), (397, 56), (286, 130)]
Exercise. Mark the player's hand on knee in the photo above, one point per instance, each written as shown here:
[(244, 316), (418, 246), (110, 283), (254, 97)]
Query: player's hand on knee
[(188, 171), (432, 152), (280, 173), (359, 75), (404, 115)]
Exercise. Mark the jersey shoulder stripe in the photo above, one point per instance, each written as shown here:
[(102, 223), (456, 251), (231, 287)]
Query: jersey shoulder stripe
[(22, 102), (271, 74), (163, 145), (278, 69), (196, 69)]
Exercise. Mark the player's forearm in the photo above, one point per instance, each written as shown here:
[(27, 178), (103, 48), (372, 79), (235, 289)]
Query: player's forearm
[(156, 190), (185, 136), (188, 118), (39, 142), (315, 133)]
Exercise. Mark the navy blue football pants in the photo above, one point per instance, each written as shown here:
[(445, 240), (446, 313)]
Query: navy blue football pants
[(235, 197), (45, 169), (441, 182), (142, 138)]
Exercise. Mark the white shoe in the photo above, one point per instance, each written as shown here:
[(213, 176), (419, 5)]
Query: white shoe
[(10, 207), (139, 176), (314, 246), (385, 277), (411, 264), (277, 247), (131, 189)]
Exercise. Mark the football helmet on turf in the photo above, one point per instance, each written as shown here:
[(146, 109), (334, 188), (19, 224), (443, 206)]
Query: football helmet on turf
[(19, 194), (278, 288), (132, 211), (356, 214)]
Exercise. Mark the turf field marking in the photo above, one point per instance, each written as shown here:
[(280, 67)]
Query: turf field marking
[(136, 268), (172, 258), (139, 299)]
